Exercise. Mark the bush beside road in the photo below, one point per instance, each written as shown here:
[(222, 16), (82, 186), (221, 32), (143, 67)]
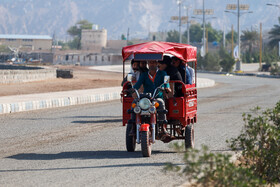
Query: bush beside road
[(257, 163)]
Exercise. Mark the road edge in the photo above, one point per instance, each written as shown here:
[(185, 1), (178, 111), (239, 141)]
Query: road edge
[(70, 99), (7, 108)]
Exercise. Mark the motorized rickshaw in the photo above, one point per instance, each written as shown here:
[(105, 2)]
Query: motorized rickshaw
[(181, 111)]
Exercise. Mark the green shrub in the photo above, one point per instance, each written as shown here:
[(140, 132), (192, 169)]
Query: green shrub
[(260, 143), (258, 164), (227, 64), (270, 55), (214, 169), (210, 62), (227, 61), (275, 69)]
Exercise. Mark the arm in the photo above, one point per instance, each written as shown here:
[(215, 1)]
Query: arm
[(166, 86), (140, 81), (124, 80)]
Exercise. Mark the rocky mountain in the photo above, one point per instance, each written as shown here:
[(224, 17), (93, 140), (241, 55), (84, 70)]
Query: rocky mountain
[(140, 16)]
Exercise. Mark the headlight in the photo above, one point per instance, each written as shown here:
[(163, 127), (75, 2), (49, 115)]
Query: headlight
[(145, 103), (137, 110), (152, 109)]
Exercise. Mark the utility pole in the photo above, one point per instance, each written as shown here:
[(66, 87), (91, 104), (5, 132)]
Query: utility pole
[(206, 40), (203, 25), (180, 21), (260, 46), (188, 25), (224, 36), (238, 65), (238, 14), (278, 6), (203, 12), (232, 32), (127, 36), (179, 18), (53, 43)]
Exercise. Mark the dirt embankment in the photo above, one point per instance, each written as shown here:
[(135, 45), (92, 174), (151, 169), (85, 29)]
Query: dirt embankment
[(84, 78)]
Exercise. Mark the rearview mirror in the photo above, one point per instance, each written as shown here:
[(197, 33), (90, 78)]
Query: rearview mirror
[(129, 77), (166, 79)]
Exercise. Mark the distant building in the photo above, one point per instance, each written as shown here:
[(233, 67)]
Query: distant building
[(114, 46), (87, 58), (94, 39), (27, 42)]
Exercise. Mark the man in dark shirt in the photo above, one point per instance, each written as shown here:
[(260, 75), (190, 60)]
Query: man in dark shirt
[(175, 75), (176, 62), (165, 65)]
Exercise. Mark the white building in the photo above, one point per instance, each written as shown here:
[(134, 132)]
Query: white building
[(93, 40)]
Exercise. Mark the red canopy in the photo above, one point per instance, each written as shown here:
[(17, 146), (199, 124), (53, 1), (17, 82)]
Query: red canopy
[(185, 52)]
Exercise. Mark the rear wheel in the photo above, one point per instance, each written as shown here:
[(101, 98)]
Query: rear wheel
[(130, 140), (146, 145), (189, 136)]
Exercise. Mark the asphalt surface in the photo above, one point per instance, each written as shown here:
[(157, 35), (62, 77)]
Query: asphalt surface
[(85, 145)]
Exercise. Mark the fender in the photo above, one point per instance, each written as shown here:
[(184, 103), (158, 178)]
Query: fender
[(145, 127)]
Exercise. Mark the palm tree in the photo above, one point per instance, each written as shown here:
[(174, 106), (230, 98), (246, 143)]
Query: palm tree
[(250, 39), (274, 35)]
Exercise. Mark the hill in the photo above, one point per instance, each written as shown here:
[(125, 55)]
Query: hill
[(47, 17)]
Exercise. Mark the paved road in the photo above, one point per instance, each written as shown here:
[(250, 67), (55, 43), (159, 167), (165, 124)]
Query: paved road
[(84, 145)]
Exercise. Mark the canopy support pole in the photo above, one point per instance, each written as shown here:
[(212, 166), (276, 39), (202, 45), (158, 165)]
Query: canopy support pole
[(123, 70)]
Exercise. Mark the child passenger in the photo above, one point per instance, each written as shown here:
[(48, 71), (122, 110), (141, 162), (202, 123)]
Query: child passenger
[(134, 70)]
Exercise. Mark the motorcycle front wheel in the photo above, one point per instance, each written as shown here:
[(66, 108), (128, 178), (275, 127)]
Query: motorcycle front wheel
[(146, 145), (130, 140)]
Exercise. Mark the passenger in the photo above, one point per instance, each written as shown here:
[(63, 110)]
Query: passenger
[(165, 65), (134, 70), (192, 73), (176, 62), (151, 80), (143, 67)]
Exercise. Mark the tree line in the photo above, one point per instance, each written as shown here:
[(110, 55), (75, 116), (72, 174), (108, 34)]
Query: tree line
[(249, 38), (222, 60)]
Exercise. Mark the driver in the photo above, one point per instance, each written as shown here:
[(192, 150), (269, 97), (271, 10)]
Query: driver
[(151, 80)]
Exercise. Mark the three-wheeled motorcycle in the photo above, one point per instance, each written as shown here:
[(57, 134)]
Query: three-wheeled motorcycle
[(180, 109)]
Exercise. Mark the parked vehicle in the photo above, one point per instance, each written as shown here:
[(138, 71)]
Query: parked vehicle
[(181, 110)]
